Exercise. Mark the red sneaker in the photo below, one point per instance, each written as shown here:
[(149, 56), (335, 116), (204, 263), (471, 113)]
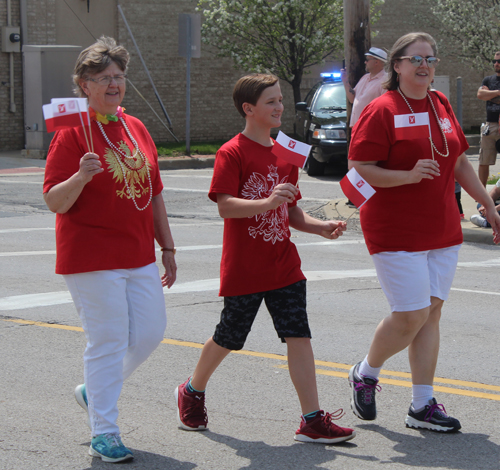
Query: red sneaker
[(321, 429), (191, 411)]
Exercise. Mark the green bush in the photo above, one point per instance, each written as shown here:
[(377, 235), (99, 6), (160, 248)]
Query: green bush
[(178, 149)]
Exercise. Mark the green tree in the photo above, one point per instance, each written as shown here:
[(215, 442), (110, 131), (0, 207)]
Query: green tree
[(474, 27), (281, 37)]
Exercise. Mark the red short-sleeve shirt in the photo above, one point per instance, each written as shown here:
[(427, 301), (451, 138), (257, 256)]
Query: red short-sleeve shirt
[(412, 217)]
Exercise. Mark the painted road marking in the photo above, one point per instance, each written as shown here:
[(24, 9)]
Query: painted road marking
[(333, 243), (45, 299), (384, 374)]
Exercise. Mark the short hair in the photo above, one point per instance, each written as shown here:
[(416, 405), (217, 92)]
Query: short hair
[(249, 88), (398, 50), (96, 58)]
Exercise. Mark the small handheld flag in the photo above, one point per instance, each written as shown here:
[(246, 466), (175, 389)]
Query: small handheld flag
[(411, 126), (357, 190), (62, 113), (291, 151)]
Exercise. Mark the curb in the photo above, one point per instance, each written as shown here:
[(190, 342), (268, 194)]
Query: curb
[(338, 209), (185, 163)]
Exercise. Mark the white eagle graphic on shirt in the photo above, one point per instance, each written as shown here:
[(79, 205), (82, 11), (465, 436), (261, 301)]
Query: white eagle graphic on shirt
[(273, 224)]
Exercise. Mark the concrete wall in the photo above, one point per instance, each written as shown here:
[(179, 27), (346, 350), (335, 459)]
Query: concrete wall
[(154, 24)]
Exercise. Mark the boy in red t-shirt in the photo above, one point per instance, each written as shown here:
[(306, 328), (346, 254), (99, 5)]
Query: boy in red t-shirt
[(257, 197)]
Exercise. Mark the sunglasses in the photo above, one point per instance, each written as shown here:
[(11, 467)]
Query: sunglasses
[(496, 61), (416, 60)]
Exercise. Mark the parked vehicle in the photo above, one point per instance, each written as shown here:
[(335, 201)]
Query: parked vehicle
[(320, 121)]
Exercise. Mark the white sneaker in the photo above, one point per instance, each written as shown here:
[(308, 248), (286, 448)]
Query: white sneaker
[(478, 220)]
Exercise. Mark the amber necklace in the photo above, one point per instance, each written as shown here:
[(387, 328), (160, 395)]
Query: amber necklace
[(433, 147), (123, 162)]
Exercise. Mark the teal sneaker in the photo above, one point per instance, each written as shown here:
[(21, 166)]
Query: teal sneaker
[(110, 448), (81, 399)]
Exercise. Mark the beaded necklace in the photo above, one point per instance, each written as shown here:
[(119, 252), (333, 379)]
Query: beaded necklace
[(433, 147), (123, 162)]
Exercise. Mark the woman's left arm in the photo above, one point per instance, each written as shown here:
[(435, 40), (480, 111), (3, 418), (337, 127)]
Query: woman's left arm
[(466, 176), (164, 238)]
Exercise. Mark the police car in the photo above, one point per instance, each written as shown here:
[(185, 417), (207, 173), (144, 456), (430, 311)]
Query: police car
[(320, 121)]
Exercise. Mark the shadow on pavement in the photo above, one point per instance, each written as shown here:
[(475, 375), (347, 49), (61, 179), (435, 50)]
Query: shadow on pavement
[(427, 449), (142, 460), (263, 456)]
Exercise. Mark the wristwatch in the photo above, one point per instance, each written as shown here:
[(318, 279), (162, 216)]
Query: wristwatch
[(173, 250)]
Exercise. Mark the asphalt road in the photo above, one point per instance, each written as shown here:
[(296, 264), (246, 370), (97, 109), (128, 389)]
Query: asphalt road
[(253, 409)]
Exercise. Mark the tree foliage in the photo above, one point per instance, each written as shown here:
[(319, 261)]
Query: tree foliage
[(474, 26), (281, 37)]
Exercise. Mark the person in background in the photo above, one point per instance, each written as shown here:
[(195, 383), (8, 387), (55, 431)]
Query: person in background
[(480, 219), (458, 197), (489, 91), (110, 210), (369, 86), (415, 260)]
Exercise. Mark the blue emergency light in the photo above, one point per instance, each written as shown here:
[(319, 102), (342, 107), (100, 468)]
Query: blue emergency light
[(335, 76)]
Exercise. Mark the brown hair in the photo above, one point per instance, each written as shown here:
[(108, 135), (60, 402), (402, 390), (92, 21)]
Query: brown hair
[(398, 50), (249, 88), (96, 58)]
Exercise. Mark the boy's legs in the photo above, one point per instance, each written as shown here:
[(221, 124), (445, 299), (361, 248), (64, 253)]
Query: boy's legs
[(211, 356), (303, 373), (230, 334)]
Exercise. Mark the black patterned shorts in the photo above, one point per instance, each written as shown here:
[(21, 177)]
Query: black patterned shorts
[(287, 307)]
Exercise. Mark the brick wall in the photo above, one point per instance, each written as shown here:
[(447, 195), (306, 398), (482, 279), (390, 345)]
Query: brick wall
[(213, 116)]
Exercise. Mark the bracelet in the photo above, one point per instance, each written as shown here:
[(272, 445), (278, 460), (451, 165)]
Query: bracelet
[(173, 250)]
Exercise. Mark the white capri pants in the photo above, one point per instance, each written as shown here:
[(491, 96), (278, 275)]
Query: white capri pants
[(124, 319), (410, 279)]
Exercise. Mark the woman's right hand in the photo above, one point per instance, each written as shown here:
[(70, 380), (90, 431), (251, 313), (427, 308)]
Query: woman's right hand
[(90, 165), (424, 169)]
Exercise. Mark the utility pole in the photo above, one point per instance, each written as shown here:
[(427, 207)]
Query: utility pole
[(357, 41)]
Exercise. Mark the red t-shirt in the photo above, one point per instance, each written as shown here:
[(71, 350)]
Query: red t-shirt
[(257, 254), (412, 217), (103, 229)]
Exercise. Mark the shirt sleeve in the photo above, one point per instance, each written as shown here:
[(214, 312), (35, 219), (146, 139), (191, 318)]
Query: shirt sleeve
[(226, 176), (370, 139)]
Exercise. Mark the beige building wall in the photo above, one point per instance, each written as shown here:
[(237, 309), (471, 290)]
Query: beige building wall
[(154, 24)]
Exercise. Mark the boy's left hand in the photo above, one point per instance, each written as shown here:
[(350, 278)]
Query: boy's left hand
[(333, 229)]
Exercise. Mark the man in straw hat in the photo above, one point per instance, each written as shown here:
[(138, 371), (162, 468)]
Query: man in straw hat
[(370, 85)]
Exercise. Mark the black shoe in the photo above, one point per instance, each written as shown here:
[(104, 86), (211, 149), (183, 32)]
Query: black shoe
[(363, 394), (432, 417)]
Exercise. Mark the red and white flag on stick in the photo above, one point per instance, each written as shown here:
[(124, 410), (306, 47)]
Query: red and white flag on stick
[(357, 190), (291, 151), (62, 113), (411, 126)]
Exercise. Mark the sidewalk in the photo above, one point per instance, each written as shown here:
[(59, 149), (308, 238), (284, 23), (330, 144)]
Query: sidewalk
[(12, 162)]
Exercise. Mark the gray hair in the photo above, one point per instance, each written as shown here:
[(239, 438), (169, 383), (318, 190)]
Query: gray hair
[(96, 58)]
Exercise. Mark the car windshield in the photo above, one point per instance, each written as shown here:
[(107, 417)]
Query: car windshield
[(330, 97)]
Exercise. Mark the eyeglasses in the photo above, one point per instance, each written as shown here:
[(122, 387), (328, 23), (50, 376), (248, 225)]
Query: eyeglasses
[(496, 61), (416, 60), (107, 79)]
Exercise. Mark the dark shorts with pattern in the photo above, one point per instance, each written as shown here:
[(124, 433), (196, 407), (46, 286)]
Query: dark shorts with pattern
[(287, 307)]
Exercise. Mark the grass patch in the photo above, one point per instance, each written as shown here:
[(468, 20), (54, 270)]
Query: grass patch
[(178, 149), (492, 179)]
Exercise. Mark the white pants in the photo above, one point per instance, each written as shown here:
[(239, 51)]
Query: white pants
[(123, 316), (410, 278)]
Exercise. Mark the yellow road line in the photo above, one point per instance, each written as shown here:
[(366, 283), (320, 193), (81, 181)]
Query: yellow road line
[(332, 373)]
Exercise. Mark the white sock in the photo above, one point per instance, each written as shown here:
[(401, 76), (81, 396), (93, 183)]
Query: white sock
[(421, 394), (368, 371)]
